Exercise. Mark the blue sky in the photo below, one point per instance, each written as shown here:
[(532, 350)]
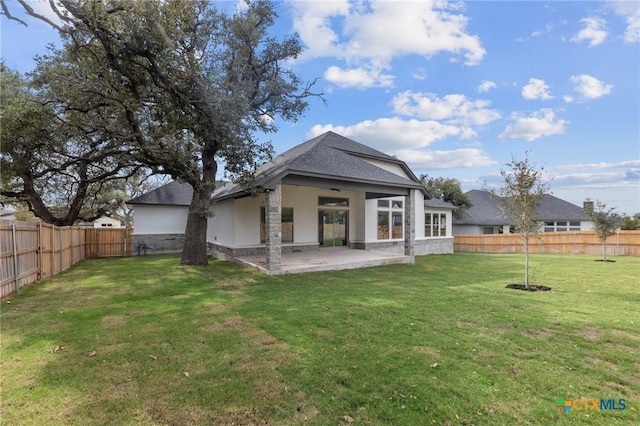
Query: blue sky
[(458, 89)]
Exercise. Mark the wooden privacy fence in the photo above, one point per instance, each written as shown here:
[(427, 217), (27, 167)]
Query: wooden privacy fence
[(30, 251), (623, 243)]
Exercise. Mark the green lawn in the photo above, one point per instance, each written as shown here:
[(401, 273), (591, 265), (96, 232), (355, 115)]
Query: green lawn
[(144, 341)]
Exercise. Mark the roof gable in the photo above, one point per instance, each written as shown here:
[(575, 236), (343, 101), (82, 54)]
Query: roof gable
[(174, 193), (326, 156)]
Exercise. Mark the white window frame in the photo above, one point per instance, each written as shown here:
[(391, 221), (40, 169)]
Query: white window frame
[(435, 226), (394, 207)]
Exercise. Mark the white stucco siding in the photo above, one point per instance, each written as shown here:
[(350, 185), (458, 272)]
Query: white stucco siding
[(586, 226), (358, 221), (159, 219), (304, 201), (390, 167), (467, 230), (371, 220), (419, 203), (247, 221), (221, 225)]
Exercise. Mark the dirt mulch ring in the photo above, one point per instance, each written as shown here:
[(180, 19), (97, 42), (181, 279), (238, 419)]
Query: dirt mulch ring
[(531, 287)]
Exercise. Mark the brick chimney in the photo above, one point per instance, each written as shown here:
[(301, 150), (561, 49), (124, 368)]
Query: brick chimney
[(587, 206)]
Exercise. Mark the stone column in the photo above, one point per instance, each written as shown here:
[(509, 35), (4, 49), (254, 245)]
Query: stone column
[(410, 223), (273, 219)]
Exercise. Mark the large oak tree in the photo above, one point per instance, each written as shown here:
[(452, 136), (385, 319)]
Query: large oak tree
[(193, 85), (62, 161)]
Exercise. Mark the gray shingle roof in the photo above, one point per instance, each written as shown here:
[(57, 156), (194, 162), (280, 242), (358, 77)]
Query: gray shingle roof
[(486, 210), (174, 193), (439, 203), (328, 156)]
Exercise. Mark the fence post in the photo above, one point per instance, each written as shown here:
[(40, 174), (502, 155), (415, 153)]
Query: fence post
[(39, 251), (53, 250), (60, 243), (95, 254), (16, 272), (71, 242)]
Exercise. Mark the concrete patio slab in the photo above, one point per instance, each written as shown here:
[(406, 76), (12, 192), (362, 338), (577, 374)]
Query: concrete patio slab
[(326, 259)]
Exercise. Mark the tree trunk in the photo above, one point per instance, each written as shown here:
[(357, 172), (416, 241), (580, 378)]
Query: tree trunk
[(195, 234), (526, 260), (604, 250)]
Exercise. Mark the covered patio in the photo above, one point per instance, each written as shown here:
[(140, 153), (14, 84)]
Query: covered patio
[(324, 259)]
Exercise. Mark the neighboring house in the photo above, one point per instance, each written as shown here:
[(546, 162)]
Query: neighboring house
[(486, 217), (329, 191), (7, 214), (107, 222), (160, 218)]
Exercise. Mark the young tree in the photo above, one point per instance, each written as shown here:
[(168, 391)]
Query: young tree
[(519, 197), (447, 189), (605, 222), (194, 86)]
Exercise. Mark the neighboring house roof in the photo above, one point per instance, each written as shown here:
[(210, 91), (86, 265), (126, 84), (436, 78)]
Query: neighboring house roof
[(328, 156), (439, 203), (7, 214), (174, 193), (485, 210)]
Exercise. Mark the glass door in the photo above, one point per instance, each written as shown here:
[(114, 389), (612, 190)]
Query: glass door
[(333, 228)]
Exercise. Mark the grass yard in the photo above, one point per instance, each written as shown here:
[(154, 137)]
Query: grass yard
[(142, 341)]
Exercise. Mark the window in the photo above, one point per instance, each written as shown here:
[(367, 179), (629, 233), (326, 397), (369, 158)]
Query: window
[(333, 202), (390, 219), (383, 225), (487, 230), (561, 225), (435, 224), (396, 230), (286, 229), (428, 225)]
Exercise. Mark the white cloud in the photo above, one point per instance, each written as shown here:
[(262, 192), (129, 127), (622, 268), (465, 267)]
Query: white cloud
[(589, 86), (420, 74), (540, 123), (547, 29), (374, 32), (594, 31), (392, 134), (536, 89), (360, 78), (438, 160), (407, 140), (453, 109), (312, 21), (602, 165), (630, 11), (44, 8), (486, 85)]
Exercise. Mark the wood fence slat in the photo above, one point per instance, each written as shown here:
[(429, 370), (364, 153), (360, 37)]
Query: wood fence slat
[(30, 252), (623, 243)]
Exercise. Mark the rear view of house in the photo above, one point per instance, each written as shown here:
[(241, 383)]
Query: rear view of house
[(327, 192)]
